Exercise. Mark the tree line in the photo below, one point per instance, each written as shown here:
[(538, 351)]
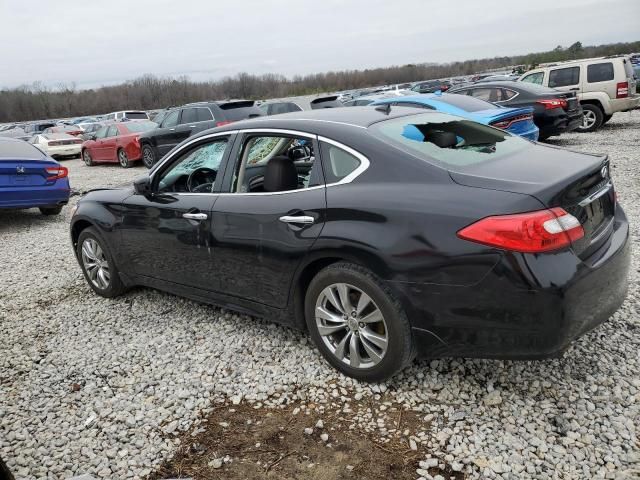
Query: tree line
[(36, 101)]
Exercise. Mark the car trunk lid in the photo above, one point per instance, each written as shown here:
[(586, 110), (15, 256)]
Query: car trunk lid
[(25, 173), (579, 183)]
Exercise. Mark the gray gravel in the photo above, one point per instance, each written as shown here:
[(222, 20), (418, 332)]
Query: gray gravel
[(97, 386)]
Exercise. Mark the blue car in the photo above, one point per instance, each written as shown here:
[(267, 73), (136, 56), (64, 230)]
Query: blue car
[(518, 121), (30, 179)]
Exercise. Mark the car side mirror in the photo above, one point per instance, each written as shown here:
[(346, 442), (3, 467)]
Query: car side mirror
[(142, 185)]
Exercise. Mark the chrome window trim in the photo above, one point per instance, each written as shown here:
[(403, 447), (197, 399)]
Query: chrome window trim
[(364, 161), (509, 99), (309, 120)]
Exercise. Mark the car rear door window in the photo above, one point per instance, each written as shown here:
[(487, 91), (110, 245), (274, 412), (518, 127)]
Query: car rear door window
[(563, 77), (203, 114), (276, 164), (112, 132), (189, 115), (600, 72)]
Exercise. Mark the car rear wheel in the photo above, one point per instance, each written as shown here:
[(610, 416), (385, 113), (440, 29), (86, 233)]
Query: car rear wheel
[(148, 156), (123, 158), (592, 118), (50, 210), (86, 157), (97, 264), (357, 324)]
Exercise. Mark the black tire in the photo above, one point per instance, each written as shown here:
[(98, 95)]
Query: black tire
[(594, 112), (115, 286), (86, 157), (123, 158), (400, 347), (606, 118), (50, 210), (149, 156)]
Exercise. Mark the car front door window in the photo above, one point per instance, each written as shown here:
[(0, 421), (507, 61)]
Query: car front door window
[(171, 120), (195, 171), (537, 78)]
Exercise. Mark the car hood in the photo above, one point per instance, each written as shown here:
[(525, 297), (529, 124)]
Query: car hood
[(112, 194)]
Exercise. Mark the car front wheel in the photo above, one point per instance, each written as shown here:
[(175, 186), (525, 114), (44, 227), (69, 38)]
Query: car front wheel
[(97, 264), (357, 324)]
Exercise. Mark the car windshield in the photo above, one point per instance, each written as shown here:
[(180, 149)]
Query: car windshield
[(18, 150), (464, 102), (446, 140), (135, 127)]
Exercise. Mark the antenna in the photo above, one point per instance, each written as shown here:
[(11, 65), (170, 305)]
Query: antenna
[(386, 108)]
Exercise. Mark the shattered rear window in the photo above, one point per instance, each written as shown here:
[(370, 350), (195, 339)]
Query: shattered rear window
[(447, 140)]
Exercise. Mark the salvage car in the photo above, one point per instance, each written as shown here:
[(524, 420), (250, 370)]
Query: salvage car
[(58, 145), (554, 112), (378, 230), (603, 86), (518, 121), (116, 143), (31, 179), (182, 122)]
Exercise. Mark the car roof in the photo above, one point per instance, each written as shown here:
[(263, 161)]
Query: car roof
[(357, 117)]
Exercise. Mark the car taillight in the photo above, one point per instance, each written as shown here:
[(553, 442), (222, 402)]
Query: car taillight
[(552, 103), (225, 122), (532, 232), (622, 90), (504, 124), (56, 173)]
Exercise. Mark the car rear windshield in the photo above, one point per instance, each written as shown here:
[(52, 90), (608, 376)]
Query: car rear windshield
[(446, 140), (135, 127), (465, 102), (234, 111), (19, 150), (136, 115)]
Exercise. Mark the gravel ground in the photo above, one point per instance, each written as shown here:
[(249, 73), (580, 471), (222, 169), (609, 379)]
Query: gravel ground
[(89, 385)]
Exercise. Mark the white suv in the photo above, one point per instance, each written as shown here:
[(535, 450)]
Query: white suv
[(604, 86)]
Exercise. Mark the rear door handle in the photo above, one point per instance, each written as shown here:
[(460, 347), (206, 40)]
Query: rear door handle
[(195, 216), (297, 219)]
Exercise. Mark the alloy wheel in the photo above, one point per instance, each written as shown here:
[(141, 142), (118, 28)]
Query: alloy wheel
[(122, 157), (95, 263), (351, 326), (148, 157), (86, 156), (588, 119)]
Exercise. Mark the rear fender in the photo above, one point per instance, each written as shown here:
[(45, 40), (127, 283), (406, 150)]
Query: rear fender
[(600, 99)]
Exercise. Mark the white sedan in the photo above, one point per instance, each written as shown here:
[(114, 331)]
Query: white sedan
[(58, 145)]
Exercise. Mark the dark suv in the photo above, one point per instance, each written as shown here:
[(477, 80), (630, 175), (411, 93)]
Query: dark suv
[(181, 122)]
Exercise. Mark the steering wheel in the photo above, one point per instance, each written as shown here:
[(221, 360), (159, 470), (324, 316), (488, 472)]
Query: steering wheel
[(201, 180)]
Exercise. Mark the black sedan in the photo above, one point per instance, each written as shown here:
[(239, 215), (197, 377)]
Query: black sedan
[(554, 112), (386, 232)]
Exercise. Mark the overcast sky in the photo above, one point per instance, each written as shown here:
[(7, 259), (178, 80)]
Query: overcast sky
[(93, 43)]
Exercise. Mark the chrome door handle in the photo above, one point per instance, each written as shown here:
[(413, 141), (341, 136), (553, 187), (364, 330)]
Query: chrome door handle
[(195, 216), (192, 126), (304, 220)]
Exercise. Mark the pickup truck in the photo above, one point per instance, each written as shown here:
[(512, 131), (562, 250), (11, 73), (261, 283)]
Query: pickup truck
[(182, 122)]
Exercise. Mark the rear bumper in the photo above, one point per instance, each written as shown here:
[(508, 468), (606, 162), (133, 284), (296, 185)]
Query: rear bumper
[(624, 104), (64, 150), (49, 196), (557, 121), (526, 307)]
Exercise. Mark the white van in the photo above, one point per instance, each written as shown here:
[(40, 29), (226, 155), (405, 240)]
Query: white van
[(604, 86)]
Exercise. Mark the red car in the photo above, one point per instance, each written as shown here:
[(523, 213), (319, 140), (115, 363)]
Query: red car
[(118, 142)]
